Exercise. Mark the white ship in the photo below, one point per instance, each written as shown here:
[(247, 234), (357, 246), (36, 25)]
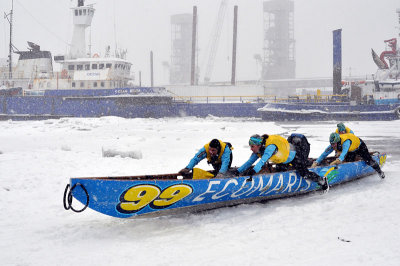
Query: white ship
[(79, 69)]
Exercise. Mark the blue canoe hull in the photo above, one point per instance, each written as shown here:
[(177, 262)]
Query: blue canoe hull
[(129, 197)]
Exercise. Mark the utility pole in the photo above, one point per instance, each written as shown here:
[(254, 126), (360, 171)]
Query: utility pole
[(9, 17), (194, 33), (233, 79), (151, 68)]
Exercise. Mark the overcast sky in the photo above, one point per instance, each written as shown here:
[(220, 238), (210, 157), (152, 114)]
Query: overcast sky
[(144, 25)]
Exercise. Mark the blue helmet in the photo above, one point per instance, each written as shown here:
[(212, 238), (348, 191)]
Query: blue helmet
[(334, 138), (341, 127)]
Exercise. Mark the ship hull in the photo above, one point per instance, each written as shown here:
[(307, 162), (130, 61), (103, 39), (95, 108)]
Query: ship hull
[(127, 106), (321, 112)]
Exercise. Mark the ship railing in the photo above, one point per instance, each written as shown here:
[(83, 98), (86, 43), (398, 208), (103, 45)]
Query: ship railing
[(22, 75), (16, 75), (261, 98), (312, 98), (225, 99)]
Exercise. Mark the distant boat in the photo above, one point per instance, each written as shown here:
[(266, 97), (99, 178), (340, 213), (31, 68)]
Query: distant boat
[(375, 99), (86, 86)]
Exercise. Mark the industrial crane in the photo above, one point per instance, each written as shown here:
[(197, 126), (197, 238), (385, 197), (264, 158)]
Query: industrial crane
[(216, 33)]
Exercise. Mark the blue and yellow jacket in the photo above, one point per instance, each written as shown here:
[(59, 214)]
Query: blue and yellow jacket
[(223, 157), (276, 149), (348, 130), (349, 143)]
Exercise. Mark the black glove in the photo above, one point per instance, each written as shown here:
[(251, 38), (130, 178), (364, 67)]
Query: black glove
[(184, 171), (236, 173), (251, 172)]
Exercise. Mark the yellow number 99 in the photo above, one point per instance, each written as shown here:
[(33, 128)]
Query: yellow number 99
[(171, 195), (137, 197)]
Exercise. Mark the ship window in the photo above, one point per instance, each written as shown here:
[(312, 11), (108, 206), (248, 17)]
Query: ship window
[(82, 84), (87, 67), (79, 67), (102, 84), (94, 66), (95, 84), (84, 12), (101, 66), (71, 67), (80, 12), (76, 12), (115, 66), (73, 84), (108, 65)]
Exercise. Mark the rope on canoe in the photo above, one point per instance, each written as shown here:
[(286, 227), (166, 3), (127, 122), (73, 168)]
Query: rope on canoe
[(67, 199)]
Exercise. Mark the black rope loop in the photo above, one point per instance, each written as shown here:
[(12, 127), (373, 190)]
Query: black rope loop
[(67, 207), (67, 199)]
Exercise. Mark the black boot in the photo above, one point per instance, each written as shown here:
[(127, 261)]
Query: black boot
[(321, 180), (376, 167), (381, 174), (324, 184)]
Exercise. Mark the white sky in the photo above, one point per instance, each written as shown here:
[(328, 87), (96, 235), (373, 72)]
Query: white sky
[(142, 26)]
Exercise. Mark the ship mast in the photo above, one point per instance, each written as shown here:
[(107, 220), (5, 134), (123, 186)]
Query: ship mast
[(82, 18), (9, 17)]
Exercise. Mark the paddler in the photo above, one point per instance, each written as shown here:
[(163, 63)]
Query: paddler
[(342, 129), (218, 154), (283, 153), (348, 146)]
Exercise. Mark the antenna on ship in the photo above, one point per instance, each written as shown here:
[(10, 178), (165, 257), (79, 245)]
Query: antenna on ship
[(398, 14), (115, 34), (9, 17)]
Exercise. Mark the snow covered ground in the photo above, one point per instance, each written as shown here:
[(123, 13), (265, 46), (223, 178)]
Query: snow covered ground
[(357, 223)]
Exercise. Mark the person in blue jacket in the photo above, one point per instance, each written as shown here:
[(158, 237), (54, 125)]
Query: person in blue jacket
[(217, 153), (342, 129), (348, 147), (282, 152)]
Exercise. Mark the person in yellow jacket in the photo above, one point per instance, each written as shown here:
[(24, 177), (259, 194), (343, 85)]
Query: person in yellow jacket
[(218, 154), (348, 146), (277, 149), (342, 129)]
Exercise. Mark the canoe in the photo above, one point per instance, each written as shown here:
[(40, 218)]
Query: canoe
[(156, 195)]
